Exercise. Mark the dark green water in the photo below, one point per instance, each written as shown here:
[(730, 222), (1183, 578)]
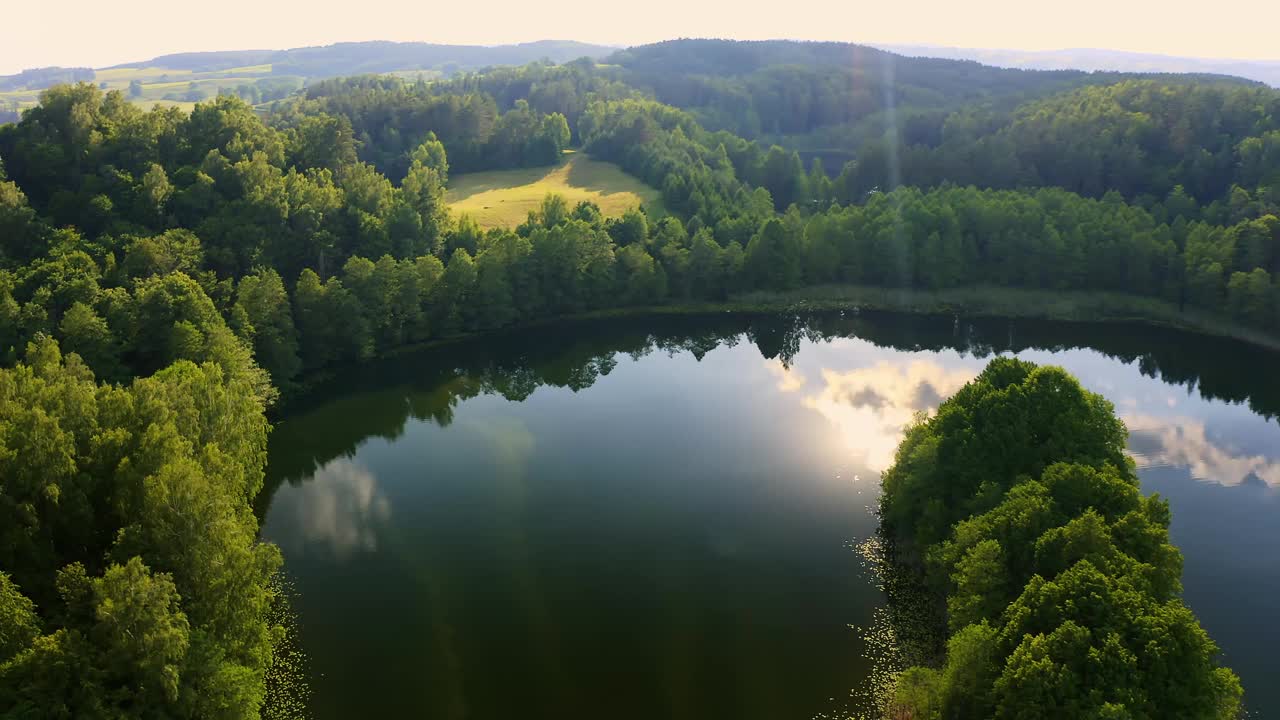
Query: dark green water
[(656, 517)]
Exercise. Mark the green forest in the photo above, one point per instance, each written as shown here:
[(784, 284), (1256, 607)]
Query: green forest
[(167, 277), (1060, 583)]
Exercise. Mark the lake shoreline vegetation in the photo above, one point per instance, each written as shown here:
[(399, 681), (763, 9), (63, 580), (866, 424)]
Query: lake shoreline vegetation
[(958, 303), (166, 277), (964, 302), (993, 302), (443, 373)]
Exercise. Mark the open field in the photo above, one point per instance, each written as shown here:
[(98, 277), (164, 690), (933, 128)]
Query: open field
[(503, 198), (25, 98), (262, 76), (264, 69), (168, 87), (144, 74)]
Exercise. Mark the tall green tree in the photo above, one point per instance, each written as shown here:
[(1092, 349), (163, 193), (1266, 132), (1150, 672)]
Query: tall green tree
[(262, 298)]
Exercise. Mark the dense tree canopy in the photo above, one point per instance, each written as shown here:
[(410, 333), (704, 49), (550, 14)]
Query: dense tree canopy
[(104, 203), (1062, 587), (133, 583), (389, 118), (1144, 139)]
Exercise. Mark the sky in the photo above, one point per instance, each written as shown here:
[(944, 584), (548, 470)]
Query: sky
[(97, 34)]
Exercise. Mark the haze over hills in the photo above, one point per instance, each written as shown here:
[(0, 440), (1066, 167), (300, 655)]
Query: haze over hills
[(306, 63), (356, 58), (1092, 59), (677, 71), (261, 75)]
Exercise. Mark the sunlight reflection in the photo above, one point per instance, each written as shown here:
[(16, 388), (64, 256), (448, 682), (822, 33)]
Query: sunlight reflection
[(871, 407), (789, 378)]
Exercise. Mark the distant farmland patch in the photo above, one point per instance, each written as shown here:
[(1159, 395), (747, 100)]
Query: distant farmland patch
[(503, 198)]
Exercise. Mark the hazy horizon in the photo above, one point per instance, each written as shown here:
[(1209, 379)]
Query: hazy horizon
[(100, 35)]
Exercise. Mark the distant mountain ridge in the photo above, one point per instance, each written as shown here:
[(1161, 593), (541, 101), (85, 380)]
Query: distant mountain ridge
[(183, 79), (350, 58), (690, 73), (354, 58), (1091, 59)]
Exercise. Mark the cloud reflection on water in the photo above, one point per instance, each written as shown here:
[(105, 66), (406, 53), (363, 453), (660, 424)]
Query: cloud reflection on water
[(1184, 442), (339, 508), (871, 407), (789, 378)]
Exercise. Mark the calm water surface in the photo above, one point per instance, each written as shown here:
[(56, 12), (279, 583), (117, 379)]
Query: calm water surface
[(657, 517)]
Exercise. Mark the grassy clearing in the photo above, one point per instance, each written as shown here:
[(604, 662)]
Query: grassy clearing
[(126, 75), (171, 85), (152, 75), (159, 82), (263, 69), (209, 87), (503, 198), (24, 98)]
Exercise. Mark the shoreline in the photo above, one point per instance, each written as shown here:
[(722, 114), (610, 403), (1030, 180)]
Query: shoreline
[(973, 301), (1016, 303)]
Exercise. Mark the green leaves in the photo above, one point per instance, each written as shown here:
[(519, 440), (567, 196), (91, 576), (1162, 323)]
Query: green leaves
[(265, 303), (19, 625), (138, 587), (1062, 584), (139, 627)]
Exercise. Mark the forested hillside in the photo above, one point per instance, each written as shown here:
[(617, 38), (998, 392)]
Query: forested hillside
[(834, 96), (165, 275), (785, 88), (1267, 71)]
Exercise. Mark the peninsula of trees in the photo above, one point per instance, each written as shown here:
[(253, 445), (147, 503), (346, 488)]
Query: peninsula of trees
[(1062, 588)]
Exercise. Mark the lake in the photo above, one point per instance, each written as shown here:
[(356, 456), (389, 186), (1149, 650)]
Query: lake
[(659, 516)]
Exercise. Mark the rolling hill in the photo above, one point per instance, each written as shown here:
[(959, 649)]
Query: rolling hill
[(260, 75), (1092, 59)]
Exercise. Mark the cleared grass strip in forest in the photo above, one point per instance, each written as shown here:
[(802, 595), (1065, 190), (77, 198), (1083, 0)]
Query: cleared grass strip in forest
[(503, 198)]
